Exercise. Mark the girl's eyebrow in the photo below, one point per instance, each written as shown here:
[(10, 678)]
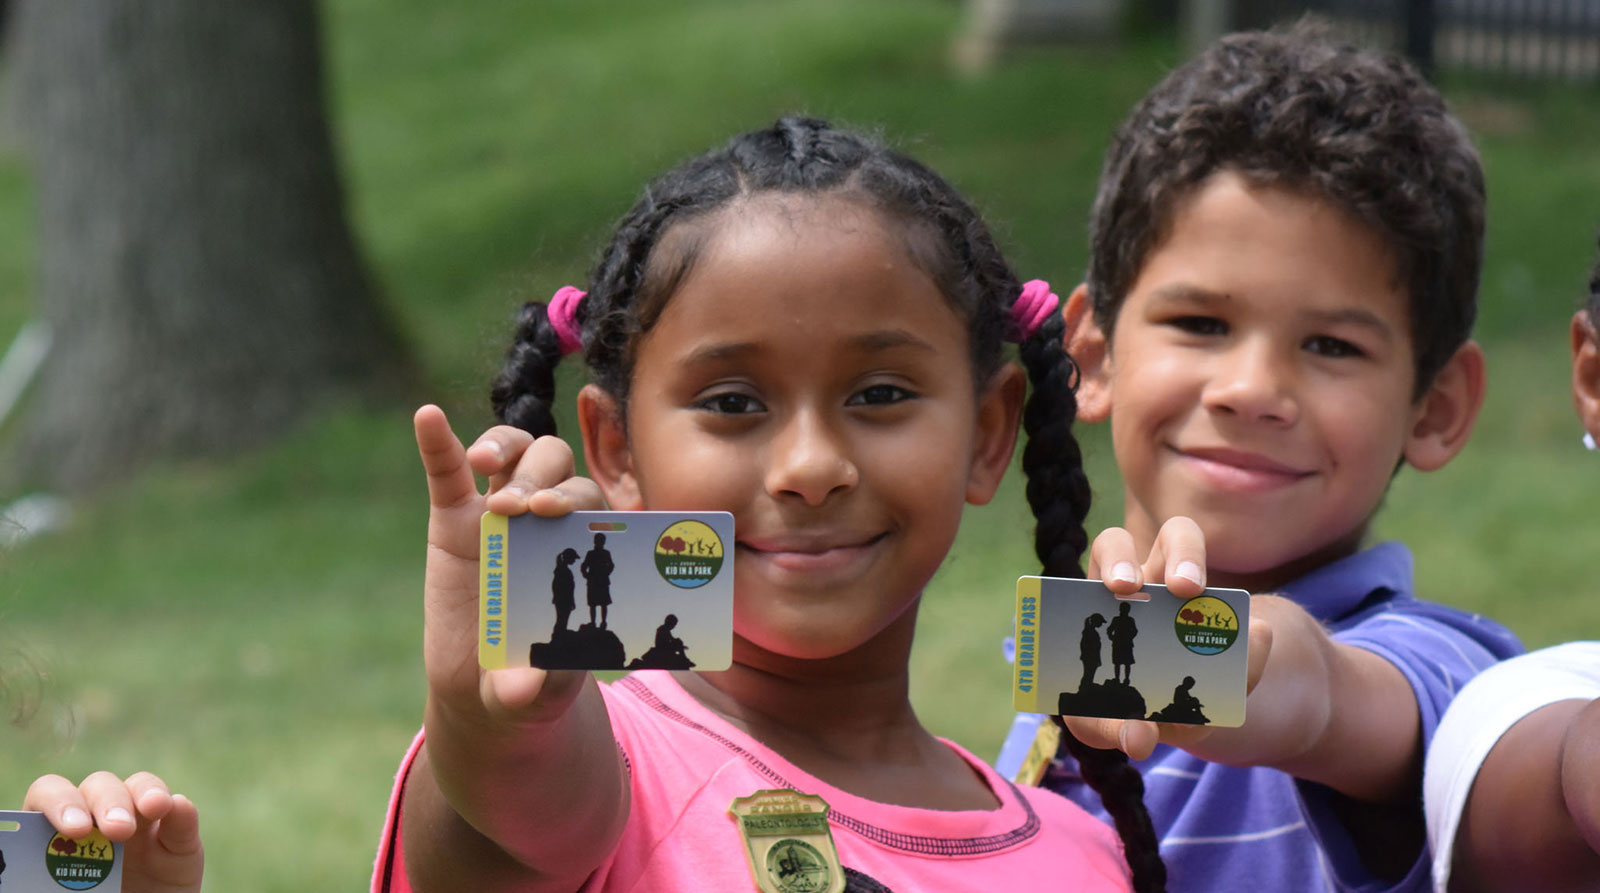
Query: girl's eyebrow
[(867, 342), (722, 352), (889, 339)]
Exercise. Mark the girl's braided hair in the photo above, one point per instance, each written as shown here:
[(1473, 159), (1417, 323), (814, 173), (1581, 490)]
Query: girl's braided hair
[(943, 235)]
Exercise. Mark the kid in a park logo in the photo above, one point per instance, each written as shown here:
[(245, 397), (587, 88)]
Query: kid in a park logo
[(79, 864), (688, 554), (1206, 625)]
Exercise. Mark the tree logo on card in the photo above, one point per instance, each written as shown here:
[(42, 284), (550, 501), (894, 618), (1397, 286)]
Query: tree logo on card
[(689, 554), (79, 864), (1206, 625)]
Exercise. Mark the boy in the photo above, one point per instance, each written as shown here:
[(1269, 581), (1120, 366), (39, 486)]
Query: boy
[(1512, 787), (1285, 252)]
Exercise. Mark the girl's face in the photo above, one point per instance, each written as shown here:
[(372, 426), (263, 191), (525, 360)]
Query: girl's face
[(807, 377)]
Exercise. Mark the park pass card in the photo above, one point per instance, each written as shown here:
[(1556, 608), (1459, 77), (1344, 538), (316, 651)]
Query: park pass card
[(35, 859), (607, 591), (1082, 651)]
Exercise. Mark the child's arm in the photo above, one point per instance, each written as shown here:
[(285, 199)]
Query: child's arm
[(520, 785), (1532, 820), (1318, 709), (160, 831)]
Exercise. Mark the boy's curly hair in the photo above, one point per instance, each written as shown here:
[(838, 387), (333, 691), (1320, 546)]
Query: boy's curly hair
[(1295, 109)]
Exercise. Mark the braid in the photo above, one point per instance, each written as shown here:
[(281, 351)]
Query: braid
[(1121, 790), (525, 388), (1058, 491)]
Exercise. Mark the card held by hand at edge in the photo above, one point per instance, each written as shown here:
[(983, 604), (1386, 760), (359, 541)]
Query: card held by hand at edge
[(35, 859), (1082, 651), (606, 591)]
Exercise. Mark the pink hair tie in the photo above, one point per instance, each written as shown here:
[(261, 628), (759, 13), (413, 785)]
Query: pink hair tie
[(1031, 309), (563, 314)]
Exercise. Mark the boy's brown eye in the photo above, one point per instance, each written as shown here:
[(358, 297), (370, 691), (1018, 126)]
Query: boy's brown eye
[(1328, 346), (1199, 325)]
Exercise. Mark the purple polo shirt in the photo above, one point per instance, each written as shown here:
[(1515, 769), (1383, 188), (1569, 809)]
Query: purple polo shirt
[(1228, 828)]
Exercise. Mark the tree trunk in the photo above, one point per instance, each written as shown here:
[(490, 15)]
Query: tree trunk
[(197, 274)]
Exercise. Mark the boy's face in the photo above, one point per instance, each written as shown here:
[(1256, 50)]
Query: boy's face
[(1260, 381)]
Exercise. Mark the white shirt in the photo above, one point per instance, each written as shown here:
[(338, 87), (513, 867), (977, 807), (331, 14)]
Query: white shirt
[(1486, 708)]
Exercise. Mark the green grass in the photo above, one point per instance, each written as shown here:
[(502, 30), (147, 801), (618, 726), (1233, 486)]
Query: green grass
[(251, 628)]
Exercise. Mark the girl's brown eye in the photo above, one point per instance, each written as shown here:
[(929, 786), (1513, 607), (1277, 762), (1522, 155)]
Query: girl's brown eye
[(879, 394), (731, 404)]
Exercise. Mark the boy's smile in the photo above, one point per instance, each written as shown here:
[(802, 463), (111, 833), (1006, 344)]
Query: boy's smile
[(1259, 380), (808, 377)]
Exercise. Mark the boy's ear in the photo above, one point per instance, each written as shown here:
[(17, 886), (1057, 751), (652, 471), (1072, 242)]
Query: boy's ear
[(605, 449), (1586, 372), (1086, 342), (1447, 412), (999, 413)]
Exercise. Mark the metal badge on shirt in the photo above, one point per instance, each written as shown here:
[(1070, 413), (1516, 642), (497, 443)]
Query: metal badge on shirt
[(607, 591), (787, 842), (35, 859), (1083, 651)]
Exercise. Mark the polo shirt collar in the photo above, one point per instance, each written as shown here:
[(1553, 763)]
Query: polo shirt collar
[(1338, 589)]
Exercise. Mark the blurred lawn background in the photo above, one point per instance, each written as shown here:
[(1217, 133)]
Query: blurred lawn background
[(251, 629)]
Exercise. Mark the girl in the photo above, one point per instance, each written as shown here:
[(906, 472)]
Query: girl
[(160, 831), (820, 321), (1512, 784)]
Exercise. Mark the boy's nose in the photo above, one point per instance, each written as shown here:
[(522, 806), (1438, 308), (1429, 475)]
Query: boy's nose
[(1252, 382), (809, 460)]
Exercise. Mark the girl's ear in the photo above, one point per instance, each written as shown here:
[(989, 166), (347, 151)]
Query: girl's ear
[(1446, 413), (605, 448), (999, 414), (1586, 372), (1086, 343)]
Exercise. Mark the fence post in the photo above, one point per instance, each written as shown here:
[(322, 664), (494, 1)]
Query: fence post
[(1419, 27)]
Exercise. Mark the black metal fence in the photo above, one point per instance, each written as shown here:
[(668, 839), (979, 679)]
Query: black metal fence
[(1536, 39)]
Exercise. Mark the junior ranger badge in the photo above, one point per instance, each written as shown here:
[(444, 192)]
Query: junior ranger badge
[(787, 842)]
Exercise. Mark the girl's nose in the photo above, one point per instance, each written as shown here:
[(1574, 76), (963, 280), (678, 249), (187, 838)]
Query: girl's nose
[(810, 461), (1252, 382)]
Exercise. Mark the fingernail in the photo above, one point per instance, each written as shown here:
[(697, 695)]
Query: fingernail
[(494, 448), (118, 814), (1122, 738), (516, 492), (1125, 572), (72, 815), (1190, 571)]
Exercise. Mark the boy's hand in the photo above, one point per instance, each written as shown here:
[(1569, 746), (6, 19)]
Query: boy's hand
[(160, 831), (525, 475), (1177, 560)]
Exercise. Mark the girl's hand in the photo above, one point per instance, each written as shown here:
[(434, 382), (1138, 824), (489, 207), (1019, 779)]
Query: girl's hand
[(525, 475), (1177, 560), (160, 831)]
